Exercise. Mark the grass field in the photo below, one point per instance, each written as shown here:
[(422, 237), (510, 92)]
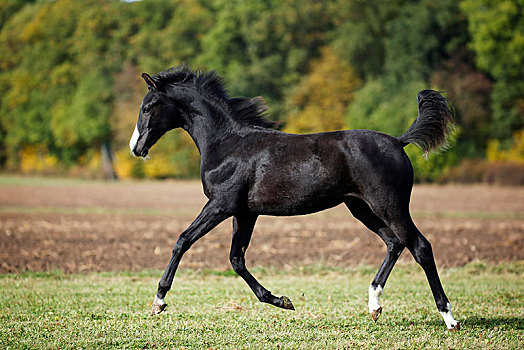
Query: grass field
[(80, 260), (210, 309)]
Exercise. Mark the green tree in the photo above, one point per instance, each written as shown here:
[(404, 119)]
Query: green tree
[(9, 8), (497, 32), (69, 70), (421, 35), (361, 33), (35, 42), (58, 79), (263, 48)]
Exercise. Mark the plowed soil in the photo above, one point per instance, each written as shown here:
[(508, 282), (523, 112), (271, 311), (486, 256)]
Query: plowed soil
[(96, 226)]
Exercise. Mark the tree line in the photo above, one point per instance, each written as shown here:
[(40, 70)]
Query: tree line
[(70, 84)]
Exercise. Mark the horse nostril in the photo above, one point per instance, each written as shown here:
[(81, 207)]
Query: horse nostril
[(136, 153)]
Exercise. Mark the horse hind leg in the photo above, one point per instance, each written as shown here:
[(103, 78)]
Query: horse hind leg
[(242, 230), (363, 212), (421, 250)]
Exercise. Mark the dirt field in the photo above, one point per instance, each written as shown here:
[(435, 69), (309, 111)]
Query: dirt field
[(96, 226)]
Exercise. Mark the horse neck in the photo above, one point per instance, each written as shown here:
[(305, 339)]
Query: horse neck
[(209, 126)]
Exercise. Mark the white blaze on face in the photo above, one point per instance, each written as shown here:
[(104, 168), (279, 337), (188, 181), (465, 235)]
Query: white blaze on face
[(374, 294), (134, 139), (448, 318)]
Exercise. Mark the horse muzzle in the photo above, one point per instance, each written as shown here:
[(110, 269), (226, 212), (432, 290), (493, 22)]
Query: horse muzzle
[(137, 144), (140, 153)]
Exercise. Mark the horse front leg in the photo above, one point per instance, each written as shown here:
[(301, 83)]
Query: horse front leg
[(243, 225), (211, 215)]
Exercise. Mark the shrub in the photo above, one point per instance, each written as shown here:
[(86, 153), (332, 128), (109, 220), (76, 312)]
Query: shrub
[(494, 173), (467, 172), (504, 173)]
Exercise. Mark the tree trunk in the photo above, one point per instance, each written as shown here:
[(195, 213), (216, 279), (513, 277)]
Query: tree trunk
[(107, 161)]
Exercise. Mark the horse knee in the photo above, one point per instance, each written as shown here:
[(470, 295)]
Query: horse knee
[(394, 244), (181, 246)]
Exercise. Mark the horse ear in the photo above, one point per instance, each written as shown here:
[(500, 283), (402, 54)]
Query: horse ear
[(151, 85)]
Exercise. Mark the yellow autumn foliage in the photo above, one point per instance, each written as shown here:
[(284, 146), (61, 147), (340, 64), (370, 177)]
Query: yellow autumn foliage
[(515, 154), (320, 101), (124, 163), (36, 159)]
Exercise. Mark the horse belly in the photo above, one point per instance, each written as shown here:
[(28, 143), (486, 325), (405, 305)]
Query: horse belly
[(291, 193), (292, 208)]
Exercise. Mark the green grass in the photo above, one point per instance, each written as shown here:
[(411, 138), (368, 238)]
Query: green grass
[(18, 180), (213, 309)]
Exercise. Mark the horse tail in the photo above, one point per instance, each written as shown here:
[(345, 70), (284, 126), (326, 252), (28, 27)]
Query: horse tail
[(433, 125)]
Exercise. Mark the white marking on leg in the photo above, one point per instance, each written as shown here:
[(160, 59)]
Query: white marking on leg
[(374, 294), (158, 301), (134, 139), (448, 317)]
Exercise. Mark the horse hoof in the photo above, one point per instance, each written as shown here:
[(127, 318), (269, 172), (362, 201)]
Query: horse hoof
[(158, 308), (455, 328), (286, 303), (376, 314)]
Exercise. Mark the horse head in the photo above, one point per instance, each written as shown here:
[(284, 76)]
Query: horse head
[(157, 115), (181, 97)]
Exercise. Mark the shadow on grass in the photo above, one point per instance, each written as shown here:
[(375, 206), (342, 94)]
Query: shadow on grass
[(483, 323), (490, 322)]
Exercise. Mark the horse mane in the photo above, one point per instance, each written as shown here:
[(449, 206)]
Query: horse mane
[(251, 111), (247, 111)]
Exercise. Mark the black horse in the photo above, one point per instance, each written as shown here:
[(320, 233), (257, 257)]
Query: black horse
[(249, 169)]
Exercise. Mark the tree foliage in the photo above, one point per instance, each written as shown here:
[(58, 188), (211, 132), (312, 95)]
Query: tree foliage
[(497, 33), (69, 71), (321, 99)]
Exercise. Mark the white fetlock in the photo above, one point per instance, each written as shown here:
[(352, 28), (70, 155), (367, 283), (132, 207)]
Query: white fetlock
[(373, 303), (450, 321), (158, 305), (158, 301)]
